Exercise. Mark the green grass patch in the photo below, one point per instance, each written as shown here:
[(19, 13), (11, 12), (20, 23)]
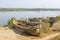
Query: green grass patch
[(10, 22), (45, 29)]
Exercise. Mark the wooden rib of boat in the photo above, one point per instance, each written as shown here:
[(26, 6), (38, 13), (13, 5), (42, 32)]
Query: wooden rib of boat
[(30, 28)]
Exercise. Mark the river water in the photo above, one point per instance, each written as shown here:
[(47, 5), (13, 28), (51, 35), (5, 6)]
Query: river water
[(4, 16)]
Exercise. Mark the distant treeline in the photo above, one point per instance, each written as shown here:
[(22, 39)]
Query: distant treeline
[(19, 9), (28, 9)]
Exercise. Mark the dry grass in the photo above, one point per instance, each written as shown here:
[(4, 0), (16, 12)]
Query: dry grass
[(56, 26), (56, 38)]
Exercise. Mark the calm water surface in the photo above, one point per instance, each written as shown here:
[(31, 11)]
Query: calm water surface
[(4, 16)]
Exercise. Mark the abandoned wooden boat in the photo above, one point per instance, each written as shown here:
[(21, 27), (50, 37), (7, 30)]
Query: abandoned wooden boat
[(27, 27)]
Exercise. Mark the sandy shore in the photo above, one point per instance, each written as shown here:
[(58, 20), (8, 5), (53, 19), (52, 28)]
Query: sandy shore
[(12, 34)]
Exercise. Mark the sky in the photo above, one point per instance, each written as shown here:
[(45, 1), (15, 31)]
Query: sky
[(29, 3)]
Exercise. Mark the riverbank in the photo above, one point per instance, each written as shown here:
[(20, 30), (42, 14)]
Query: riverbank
[(12, 34)]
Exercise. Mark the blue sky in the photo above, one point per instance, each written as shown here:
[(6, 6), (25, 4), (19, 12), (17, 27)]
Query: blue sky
[(29, 3)]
